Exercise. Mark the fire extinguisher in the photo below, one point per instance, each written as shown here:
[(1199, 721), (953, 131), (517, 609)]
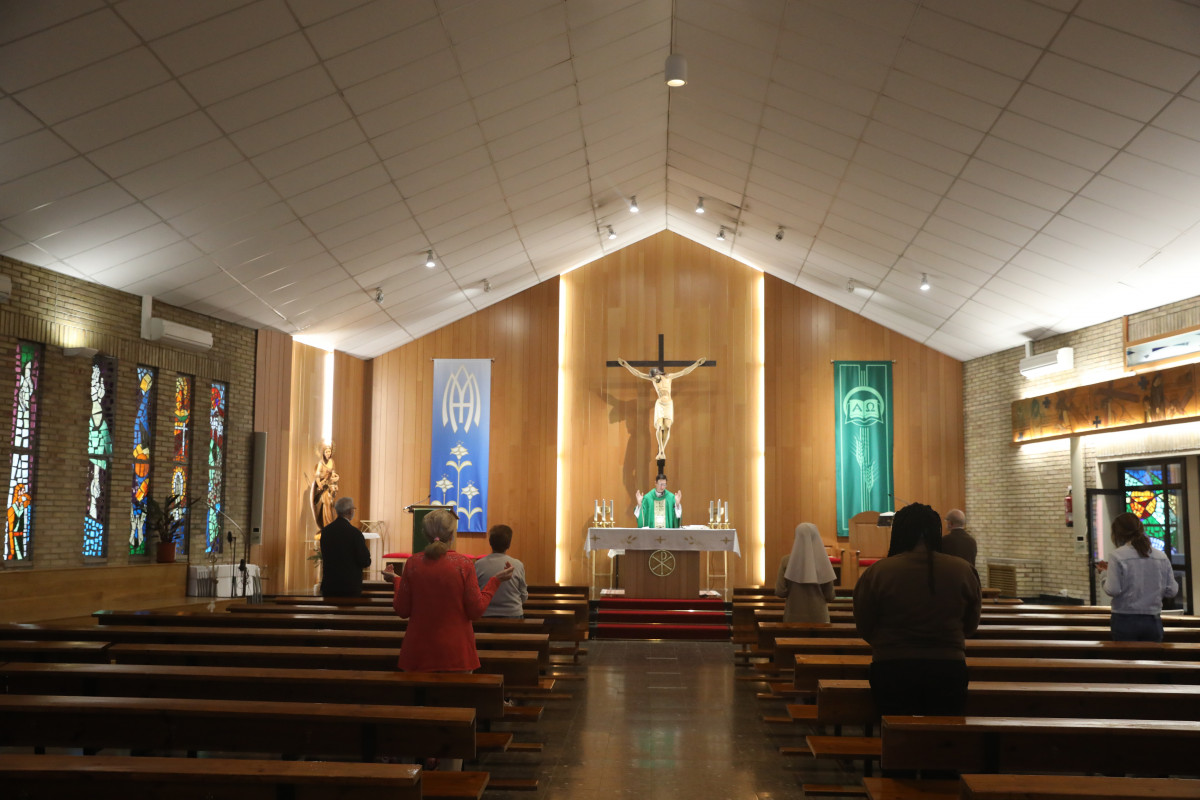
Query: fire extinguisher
[(1068, 507)]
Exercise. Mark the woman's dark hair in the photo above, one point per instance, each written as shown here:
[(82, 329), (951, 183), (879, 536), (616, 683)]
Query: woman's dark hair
[(1128, 529), (500, 538), (440, 527), (915, 523)]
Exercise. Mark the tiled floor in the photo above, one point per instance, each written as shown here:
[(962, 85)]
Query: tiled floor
[(660, 720)]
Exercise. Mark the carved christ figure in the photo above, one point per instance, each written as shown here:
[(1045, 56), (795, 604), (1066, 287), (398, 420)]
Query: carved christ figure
[(664, 408)]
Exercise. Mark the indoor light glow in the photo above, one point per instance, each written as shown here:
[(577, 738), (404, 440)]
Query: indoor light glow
[(327, 400), (759, 547)]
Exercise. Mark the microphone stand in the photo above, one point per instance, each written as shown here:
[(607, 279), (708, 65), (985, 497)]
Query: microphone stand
[(233, 587)]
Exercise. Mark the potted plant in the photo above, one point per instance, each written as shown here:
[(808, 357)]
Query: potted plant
[(159, 524)]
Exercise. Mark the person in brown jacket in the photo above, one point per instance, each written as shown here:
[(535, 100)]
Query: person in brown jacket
[(915, 608)]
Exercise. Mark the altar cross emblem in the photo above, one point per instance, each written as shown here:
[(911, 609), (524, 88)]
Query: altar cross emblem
[(662, 563)]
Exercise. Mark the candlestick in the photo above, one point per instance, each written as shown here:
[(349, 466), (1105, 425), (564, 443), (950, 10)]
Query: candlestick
[(726, 514)]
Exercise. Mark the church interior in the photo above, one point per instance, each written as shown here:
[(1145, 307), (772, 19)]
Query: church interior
[(235, 233)]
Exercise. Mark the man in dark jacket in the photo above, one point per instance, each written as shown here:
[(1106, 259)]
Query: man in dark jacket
[(958, 542), (344, 553)]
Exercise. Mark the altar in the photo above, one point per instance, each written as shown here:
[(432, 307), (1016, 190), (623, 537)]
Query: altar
[(665, 562)]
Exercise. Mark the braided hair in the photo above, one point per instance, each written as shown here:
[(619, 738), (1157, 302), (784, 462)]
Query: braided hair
[(915, 523)]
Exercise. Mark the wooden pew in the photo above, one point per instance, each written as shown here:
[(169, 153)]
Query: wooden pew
[(1090, 632), (105, 777), (786, 649), (494, 624), (1076, 787), (481, 692), (814, 668), (299, 637), (989, 616), (849, 702), (38, 650), (519, 668), (357, 731), (1040, 744)]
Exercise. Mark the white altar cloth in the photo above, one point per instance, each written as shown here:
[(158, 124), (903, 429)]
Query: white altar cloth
[(621, 539)]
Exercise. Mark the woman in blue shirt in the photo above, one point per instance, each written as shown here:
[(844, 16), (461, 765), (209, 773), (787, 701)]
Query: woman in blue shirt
[(1137, 578)]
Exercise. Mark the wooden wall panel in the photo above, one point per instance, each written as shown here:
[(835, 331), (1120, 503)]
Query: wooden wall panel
[(704, 304), (307, 389), (803, 335), (352, 429), (272, 415), (48, 594), (520, 334)]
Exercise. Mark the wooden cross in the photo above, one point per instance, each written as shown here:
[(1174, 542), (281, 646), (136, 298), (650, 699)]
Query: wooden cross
[(661, 363)]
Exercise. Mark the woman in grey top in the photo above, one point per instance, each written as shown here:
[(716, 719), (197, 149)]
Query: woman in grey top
[(806, 577), (1137, 578)]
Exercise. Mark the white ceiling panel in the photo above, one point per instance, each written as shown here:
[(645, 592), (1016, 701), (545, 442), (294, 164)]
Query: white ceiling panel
[(1031, 158)]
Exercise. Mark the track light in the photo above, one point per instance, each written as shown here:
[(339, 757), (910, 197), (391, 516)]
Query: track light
[(633, 206), (700, 205), (675, 70), (487, 285), (924, 282), (379, 295), (721, 234), (850, 286), (429, 262), (779, 234), (611, 233)]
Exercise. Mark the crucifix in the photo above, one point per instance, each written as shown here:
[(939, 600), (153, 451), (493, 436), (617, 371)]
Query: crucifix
[(664, 408)]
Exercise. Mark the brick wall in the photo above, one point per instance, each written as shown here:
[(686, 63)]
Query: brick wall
[(1015, 494), (60, 311)]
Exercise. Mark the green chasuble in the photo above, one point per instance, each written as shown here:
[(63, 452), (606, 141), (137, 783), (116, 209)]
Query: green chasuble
[(657, 512)]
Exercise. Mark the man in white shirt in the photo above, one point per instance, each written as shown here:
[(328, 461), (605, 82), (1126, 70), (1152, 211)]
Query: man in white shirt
[(509, 599)]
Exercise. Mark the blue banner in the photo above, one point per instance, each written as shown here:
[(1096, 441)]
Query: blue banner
[(462, 420)]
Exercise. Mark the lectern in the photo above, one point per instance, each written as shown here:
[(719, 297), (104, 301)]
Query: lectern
[(418, 511)]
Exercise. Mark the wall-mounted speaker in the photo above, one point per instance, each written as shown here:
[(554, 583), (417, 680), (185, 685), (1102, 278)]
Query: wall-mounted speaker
[(258, 477)]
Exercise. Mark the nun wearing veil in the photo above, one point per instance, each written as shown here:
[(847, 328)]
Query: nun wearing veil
[(806, 578)]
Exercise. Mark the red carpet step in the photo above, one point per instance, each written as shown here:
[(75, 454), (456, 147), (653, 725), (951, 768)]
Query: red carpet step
[(622, 618)]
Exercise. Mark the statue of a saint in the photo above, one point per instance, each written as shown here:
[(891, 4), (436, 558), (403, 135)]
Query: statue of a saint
[(324, 487), (664, 408)]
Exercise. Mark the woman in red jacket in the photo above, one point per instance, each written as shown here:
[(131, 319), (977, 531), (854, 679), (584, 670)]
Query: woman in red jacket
[(440, 595)]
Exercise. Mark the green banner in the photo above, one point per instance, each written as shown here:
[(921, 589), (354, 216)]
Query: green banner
[(862, 393)]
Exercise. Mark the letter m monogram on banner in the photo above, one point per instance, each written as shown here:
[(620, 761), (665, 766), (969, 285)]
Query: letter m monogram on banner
[(862, 392), (462, 418)]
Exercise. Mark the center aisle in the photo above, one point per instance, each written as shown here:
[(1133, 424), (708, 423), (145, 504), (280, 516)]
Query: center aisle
[(659, 719)]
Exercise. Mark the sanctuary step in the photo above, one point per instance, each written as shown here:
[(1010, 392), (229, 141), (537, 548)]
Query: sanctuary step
[(664, 618)]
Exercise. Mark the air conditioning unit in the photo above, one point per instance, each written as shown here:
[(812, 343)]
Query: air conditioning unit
[(1045, 363), (184, 337)]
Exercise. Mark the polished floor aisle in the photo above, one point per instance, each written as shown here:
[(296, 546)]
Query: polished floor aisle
[(660, 720)]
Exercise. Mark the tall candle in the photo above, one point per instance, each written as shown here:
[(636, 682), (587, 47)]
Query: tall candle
[(595, 510), (726, 513)]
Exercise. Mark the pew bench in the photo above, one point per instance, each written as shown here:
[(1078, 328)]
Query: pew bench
[(482, 692), (227, 635), (849, 702), (353, 731), (787, 648), (812, 668), (518, 668), (911, 789), (55, 651), (1076, 787), (1040, 744), (103, 777)]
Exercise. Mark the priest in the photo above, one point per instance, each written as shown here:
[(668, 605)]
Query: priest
[(659, 508)]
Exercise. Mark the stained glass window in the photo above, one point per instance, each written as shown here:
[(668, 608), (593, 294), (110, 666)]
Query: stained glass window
[(180, 460), (143, 456), (18, 530), (1153, 492), (216, 466), (99, 448)]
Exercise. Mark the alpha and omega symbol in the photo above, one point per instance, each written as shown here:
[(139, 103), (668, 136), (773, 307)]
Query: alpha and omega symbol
[(662, 563)]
